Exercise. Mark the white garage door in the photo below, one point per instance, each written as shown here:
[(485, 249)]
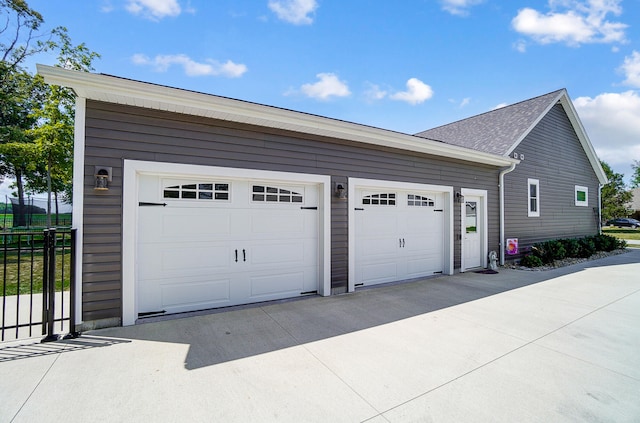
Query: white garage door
[(398, 235), (205, 243)]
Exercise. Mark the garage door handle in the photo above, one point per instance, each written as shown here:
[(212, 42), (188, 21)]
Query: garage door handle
[(402, 242), (236, 255), (244, 255)]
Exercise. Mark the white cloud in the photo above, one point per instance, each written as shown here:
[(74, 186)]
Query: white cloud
[(465, 102), (417, 92), (573, 22), (106, 7), (521, 46), (612, 121), (162, 63), (154, 9), (631, 69), (294, 11), (329, 85), (374, 92), (500, 106), (459, 7)]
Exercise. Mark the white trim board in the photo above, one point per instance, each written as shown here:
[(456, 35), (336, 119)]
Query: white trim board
[(133, 168)]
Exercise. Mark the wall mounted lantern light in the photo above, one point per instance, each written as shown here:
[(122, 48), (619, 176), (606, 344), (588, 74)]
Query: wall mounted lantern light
[(103, 177), (459, 197), (341, 191)]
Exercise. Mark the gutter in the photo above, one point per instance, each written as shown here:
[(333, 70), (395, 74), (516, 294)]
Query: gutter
[(501, 185)]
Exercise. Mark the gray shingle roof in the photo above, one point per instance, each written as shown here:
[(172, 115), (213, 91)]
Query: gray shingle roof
[(496, 131)]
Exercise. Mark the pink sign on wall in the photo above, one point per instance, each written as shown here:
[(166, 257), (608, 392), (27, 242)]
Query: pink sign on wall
[(512, 246)]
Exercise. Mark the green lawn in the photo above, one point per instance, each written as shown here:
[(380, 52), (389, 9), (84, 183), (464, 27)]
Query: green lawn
[(622, 233), (25, 275)]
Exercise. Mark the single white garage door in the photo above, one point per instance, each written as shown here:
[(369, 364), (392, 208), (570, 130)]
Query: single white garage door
[(206, 243), (398, 235)]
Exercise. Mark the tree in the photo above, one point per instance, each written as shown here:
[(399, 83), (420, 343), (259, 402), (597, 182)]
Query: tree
[(635, 178), (36, 121), (615, 197), (20, 33), (53, 133), (20, 95)]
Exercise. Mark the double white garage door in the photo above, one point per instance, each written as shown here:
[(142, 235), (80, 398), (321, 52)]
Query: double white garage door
[(214, 242), (205, 242)]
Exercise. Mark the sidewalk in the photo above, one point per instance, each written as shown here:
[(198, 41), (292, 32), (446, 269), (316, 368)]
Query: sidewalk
[(525, 346)]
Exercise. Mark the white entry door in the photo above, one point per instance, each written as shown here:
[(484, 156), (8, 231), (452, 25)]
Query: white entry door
[(398, 235), (214, 242), (472, 231)]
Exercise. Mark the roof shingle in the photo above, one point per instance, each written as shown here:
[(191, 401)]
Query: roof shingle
[(495, 132)]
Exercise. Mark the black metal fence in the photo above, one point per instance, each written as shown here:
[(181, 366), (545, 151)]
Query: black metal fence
[(38, 284)]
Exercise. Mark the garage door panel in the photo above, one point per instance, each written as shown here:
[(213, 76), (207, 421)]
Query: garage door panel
[(377, 272), (380, 223), (176, 224), (424, 266), (278, 222), (194, 295), (266, 286), (277, 254), (377, 246), (178, 260)]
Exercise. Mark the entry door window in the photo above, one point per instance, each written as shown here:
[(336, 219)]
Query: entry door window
[(471, 222)]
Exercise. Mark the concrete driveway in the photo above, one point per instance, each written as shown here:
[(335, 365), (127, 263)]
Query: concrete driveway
[(560, 345)]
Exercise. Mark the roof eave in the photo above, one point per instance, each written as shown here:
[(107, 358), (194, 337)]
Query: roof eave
[(134, 93)]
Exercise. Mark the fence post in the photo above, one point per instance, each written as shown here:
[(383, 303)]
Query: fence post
[(50, 290), (72, 288)]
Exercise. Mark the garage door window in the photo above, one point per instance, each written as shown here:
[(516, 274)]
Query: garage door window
[(198, 191), (419, 200), (386, 199), (262, 193)]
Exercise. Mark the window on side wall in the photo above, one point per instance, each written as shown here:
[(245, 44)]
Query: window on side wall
[(581, 196), (533, 196)]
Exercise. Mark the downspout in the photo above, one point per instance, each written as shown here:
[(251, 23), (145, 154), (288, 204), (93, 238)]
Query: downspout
[(501, 185), (600, 208)]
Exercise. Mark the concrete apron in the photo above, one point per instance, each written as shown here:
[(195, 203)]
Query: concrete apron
[(559, 345)]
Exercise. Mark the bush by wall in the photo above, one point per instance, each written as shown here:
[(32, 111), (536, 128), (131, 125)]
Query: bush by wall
[(549, 251)]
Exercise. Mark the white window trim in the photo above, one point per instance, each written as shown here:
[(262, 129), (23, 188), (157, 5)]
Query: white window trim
[(579, 203), (535, 182)]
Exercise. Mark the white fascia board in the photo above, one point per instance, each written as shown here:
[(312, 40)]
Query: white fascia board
[(123, 91)]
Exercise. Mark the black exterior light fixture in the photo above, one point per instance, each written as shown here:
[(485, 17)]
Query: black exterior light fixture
[(103, 177), (459, 197), (341, 191)]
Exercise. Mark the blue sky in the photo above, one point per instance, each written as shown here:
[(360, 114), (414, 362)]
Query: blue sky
[(403, 65)]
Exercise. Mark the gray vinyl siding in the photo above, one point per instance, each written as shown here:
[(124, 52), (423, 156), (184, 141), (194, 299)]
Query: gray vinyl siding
[(553, 155), (115, 133)]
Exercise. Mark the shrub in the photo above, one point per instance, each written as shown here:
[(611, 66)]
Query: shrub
[(605, 242), (587, 247), (571, 246), (531, 260), (549, 251)]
